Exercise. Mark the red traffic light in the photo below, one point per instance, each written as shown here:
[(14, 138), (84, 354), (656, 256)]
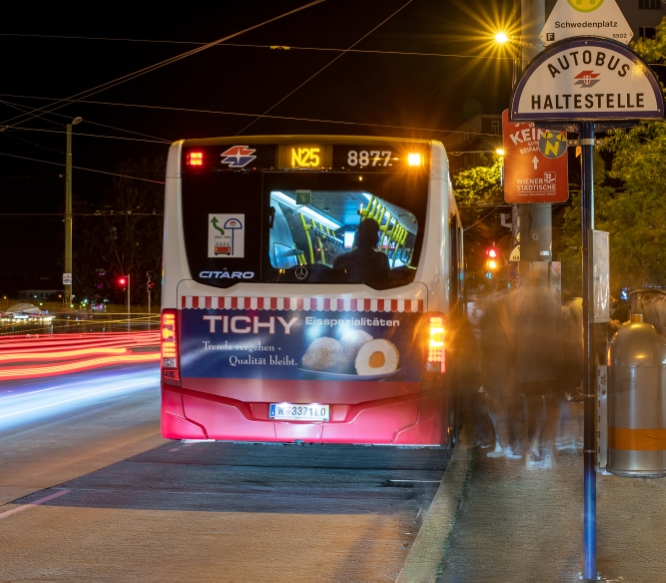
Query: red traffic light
[(122, 281), (492, 252)]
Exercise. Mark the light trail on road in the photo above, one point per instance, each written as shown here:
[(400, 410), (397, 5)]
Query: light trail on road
[(41, 401), (56, 354)]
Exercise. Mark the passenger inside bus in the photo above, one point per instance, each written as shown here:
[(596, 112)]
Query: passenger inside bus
[(341, 237), (364, 259)]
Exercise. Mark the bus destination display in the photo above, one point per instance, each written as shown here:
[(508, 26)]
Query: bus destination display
[(306, 156)]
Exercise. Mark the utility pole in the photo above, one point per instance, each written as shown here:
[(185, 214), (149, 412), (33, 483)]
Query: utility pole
[(148, 282), (68, 210), (128, 302), (536, 234)]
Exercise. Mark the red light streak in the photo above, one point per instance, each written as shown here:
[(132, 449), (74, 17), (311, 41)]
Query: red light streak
[(41, 371), (47, 353)]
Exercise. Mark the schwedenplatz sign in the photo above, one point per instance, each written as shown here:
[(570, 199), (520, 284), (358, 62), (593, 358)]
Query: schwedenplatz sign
[(587, 79), (571, 18)]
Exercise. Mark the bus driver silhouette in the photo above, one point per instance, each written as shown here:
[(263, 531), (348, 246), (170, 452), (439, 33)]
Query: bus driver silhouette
[(364, 260)]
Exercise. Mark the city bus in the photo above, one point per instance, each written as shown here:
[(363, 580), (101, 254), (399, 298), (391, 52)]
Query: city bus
[(310, 283)]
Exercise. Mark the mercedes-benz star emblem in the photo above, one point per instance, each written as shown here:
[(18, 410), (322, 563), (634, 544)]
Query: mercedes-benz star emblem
[(301, 272)]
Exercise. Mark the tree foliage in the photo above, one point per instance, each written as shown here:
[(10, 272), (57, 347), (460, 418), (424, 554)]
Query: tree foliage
[(478, 191), (630, 201), (123, 237)]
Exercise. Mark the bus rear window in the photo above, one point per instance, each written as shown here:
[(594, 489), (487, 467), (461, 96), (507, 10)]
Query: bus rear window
[(317, 227), (360, 236)]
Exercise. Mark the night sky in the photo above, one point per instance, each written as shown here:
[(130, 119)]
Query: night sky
[(431, 93)]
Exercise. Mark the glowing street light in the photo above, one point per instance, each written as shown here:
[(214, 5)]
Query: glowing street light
[(499, 151), (501, 38)]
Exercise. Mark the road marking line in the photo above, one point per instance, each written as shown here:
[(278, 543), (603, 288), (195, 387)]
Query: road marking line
[(32, 504)]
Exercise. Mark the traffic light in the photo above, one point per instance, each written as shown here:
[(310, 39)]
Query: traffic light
[(122, 281), (492, 260)]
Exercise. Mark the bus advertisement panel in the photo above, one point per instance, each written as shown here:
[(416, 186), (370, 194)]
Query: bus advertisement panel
[(301, 338)]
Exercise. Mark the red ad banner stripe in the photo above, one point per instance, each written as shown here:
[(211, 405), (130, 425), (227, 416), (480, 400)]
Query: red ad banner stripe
[(302, 304)]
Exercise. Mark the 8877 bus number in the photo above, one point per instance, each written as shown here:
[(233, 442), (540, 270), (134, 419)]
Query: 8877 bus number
[(369, 157)]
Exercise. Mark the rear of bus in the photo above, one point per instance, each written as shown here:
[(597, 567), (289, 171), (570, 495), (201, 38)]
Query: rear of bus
[(284, 318)]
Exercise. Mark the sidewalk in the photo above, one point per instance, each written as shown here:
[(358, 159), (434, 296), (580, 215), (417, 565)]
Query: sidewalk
[(526, 524)]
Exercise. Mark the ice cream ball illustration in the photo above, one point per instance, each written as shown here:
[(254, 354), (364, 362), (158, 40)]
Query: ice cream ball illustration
[(322, 354), (350, 344), (377, 357)]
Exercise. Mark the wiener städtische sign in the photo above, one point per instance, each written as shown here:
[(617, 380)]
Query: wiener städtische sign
[(587, 79)]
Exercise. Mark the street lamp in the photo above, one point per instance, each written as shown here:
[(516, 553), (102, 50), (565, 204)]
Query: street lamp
[(501, 38), (68, 212)]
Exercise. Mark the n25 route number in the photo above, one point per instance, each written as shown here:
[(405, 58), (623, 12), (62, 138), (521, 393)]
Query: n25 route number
[(369, 158)]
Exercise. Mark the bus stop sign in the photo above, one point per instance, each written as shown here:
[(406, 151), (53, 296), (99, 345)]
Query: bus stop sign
[(587, 79), (535, 163)]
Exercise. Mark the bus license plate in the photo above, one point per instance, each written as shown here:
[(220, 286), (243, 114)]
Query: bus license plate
[(295, 412)]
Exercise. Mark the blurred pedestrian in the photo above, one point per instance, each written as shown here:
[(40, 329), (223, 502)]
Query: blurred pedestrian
[(572, 343), (539, 366), (467, 380), (497, 373), (620, 313)]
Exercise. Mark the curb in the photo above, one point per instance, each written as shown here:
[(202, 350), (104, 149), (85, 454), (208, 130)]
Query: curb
[(424, 561)]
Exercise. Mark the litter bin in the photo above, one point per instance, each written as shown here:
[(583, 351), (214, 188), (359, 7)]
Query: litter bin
[(637, 402)]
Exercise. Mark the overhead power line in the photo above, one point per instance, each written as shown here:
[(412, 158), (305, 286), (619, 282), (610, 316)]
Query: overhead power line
[(30, 109), (273, 47), (82, 168), (326, 66), (154, 67), (242, 114), (48, 131)]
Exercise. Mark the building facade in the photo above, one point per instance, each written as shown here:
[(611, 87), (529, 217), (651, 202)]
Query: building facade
[(473, 141)]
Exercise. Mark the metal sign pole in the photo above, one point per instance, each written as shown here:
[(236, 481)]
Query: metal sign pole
[(586, 134)]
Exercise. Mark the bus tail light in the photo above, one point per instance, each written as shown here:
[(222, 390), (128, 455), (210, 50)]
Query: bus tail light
[(170, 369), (194, 158), (436, 344)]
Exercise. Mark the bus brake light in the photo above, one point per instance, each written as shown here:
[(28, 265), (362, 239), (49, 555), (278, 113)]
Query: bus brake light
[(170, 369), (195, 158), (436, 344)]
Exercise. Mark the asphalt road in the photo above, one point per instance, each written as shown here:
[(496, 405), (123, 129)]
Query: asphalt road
[(102, 497)]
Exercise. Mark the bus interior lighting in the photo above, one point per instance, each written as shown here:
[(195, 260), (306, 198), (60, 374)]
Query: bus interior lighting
[(195, 158), (312, 214), (349, 239)]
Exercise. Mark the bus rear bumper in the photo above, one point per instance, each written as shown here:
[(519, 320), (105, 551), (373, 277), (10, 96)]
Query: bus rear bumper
[(416, 419)]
